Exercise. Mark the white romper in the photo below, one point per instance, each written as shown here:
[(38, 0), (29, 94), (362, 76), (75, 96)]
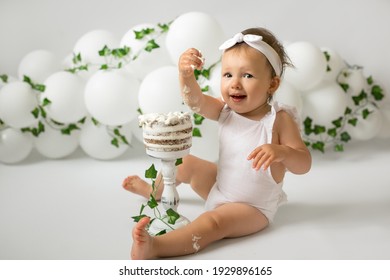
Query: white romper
[(236, 180)]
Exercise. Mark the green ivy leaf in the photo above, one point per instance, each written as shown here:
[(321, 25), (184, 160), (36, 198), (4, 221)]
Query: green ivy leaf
[(377, 92), (366, 113), (318, 129), (345, 137), (164, 27), (35, 112), (173, 216), (198, 119), (196, 132), (105, 51), (353, 121), (68, 130), (94, 121), (162, 232), (337, 123), (121, 52), (359, 98), (39, 87), (152, 202), (205, 89), (332, 132), (138, 218), (4, 78), (347, 111), (345, 87), (142, 33), (307, 125), (151, 173), (115, 142), (319, 145), (151, 45), (76, 58), (178, 161), (46, 102), (370, 80), (43, 112), (339, 147)]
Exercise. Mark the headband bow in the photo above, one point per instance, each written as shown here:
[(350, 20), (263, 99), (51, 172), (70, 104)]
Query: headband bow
[(256, 42)]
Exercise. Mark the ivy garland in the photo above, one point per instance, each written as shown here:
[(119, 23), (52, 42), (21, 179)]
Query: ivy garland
[(115, 59), (315, 136), (318, 137)]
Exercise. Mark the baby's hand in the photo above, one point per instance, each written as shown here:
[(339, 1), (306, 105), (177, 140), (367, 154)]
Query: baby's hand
[(191, 59), (265, 155)]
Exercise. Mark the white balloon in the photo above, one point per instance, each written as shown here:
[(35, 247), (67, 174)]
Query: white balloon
[(145, 61), (66, 94), (17, 101), (15, 146), (92, 42), (289, 95), (310, 65), (207, 146), (195, 30), (111, 97), (325, 103), (95, 141), (55, 145), (38, 65), (160, 92), (334, 65), (368, 128), (355, 80)]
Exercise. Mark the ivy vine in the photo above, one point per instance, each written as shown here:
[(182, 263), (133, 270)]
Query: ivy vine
[(318, 137), (170, 216), (114, 59)]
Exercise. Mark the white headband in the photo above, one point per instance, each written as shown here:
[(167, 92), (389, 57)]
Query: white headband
[(256, 42)]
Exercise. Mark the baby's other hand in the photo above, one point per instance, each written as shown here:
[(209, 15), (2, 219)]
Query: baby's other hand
[(265, 155), (190, 60)]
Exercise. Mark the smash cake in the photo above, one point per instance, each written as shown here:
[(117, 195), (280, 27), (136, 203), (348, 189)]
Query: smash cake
[(164, 134)]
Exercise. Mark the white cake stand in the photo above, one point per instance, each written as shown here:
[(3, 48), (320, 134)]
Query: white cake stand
[(170, 197)]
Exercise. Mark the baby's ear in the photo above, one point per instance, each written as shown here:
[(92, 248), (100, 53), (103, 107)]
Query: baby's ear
[(275, 82)]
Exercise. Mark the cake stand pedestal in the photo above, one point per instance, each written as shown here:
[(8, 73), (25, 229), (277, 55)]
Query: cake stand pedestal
[(170, 197)]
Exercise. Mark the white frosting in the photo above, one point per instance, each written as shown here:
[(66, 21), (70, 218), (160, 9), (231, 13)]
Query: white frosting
[(170, 118), (160, 131)]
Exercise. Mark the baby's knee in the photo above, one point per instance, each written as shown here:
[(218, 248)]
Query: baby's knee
[(215, 222)]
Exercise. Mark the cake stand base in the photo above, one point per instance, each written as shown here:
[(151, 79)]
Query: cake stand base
[(157, 225)]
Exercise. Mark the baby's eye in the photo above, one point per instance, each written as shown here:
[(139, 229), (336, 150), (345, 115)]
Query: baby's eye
[(246, 75), (227, 75)]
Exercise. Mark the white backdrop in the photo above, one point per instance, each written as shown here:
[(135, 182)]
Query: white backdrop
[(356, 29)]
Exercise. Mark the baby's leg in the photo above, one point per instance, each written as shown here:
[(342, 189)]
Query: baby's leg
[(199, 173), (228, 220)]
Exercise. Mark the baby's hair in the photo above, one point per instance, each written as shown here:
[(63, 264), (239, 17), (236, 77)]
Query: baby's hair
[(271, 40)]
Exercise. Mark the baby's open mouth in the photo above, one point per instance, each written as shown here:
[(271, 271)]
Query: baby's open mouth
[(237, 97)]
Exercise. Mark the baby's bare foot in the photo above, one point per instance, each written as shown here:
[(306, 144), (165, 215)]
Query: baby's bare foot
[(142, 248), (138, 186)]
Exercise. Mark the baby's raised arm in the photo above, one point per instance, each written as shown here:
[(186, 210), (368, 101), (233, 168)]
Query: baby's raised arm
[(191, 92)]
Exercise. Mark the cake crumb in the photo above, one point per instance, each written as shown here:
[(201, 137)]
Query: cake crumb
[(195, 243)]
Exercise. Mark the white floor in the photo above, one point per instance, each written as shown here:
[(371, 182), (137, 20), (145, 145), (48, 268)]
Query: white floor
[(75, 208)]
